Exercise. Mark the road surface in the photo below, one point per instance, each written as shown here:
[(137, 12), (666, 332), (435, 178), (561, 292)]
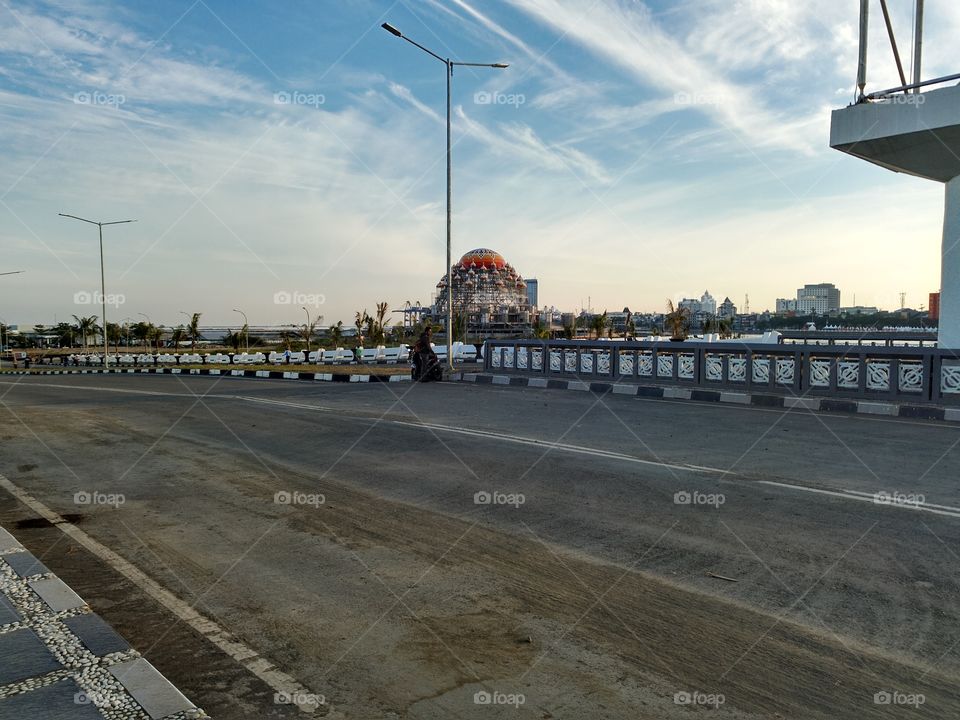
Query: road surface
[(451, 550)]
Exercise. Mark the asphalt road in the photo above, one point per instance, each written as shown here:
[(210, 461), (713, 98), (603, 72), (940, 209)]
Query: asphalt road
[(587, 586)]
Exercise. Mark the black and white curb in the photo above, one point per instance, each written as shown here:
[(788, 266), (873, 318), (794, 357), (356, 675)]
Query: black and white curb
[(62, 660), (217, 372), (840, 405)]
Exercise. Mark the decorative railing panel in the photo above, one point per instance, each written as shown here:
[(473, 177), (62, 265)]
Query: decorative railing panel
[(917, 374)]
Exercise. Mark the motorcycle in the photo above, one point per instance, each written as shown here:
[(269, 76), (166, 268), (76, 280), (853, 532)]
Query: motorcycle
[(426, 365)]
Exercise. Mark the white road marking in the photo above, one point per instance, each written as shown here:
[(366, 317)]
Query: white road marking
[(565, 447), (866, 497), (945, 510), (278, 680), (923, 504)]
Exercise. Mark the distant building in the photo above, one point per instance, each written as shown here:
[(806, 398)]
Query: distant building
[(859, 310), (819, 299), (532, 292), (703, 307), (691, 305), (727, 309), (488, 295), (934, 306), (786, 305), (708, 306)]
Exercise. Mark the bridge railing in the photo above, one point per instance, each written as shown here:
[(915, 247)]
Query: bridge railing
[(917, 374)]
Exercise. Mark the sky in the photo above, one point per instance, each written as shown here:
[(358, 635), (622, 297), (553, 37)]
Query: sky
[(278, 156)]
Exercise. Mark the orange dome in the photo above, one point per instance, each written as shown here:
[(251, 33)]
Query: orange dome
[(482, 258)]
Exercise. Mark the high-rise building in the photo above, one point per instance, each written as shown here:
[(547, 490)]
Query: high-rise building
[(532, 288), (935, 306), (819, 299), (707, 304), (786, 305)]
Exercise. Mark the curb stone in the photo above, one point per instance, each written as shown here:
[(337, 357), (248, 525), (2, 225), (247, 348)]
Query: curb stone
[(60, 659), (819, 404), (231, 372)]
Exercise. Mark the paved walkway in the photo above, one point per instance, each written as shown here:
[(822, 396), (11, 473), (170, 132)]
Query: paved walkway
[(60, 661)]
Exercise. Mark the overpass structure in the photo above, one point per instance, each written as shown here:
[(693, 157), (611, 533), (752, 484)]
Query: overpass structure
[(915, 130)]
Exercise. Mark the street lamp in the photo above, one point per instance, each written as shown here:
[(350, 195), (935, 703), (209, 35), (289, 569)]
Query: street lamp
[(126, 322), (449, 73), (103, 284), (246, 324), (306, 330)]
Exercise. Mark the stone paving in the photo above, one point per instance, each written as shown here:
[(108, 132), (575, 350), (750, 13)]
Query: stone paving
[(60, 661)]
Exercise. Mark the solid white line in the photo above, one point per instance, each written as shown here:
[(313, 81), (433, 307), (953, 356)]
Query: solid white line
[(863, 498), (279, 681), (908, 505), (579, 449)]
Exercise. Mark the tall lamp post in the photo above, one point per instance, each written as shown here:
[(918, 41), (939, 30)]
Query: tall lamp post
[(246, 325), (306, 329), (103, 284), (126, 324), (450, 64)]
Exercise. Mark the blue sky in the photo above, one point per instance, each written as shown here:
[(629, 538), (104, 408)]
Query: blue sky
[(632, 152)]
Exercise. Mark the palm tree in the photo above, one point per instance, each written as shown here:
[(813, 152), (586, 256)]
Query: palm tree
[(598, 323), (678, 320), (308, 330), (379, 327), (359, 321), (141, 331), (156, 335), (86, 326), (114, 333), (193, 329), (233, 339), (178, 335), (336, 334)]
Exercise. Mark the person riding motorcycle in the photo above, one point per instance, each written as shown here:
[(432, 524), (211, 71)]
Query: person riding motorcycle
[(426, 364)]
